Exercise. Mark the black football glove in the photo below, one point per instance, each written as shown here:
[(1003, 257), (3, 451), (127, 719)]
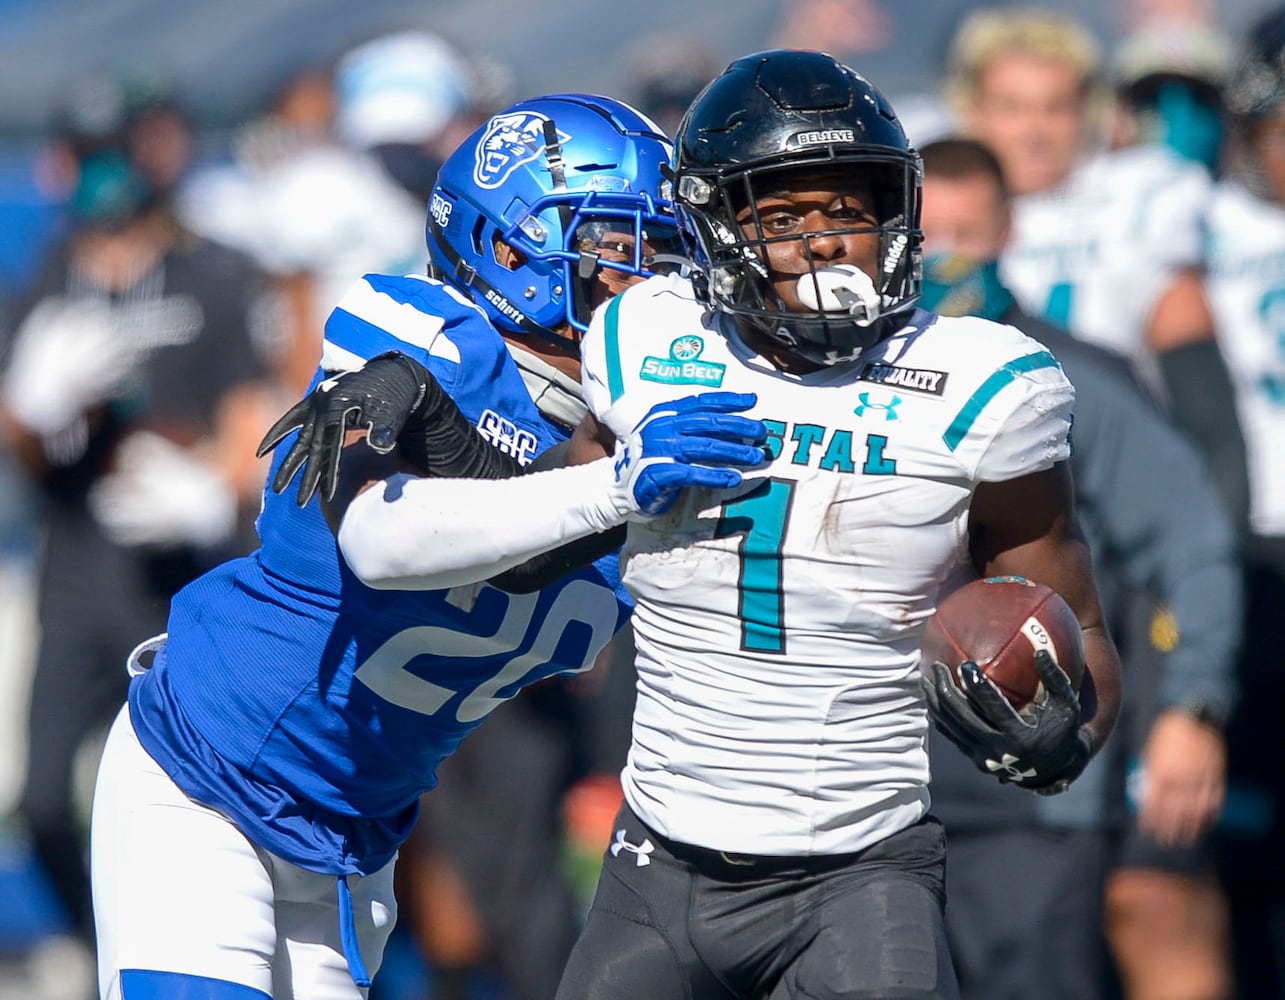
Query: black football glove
[(1043, 750), (400, 404)]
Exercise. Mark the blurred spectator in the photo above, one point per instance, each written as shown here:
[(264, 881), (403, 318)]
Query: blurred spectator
[(1105, 242), (313, 211), (410, 98), (18, 548), (1109, 243), (131, 394), (1153, 520), (1168, 79), (1246, 255), (841, 27), (666, 72)]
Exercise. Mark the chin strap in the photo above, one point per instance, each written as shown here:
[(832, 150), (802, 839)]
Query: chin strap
[(556, 396)]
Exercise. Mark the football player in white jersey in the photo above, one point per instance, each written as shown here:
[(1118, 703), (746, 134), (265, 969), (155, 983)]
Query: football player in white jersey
[(775, 840), (1105, 242), (1246, 282)]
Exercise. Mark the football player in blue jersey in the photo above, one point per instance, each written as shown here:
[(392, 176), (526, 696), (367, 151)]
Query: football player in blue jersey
[(255, 790)]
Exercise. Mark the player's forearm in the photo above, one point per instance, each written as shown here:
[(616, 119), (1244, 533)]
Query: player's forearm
[(1101, 688), (409, 533)]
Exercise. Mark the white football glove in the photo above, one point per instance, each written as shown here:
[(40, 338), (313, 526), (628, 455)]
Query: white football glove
[(160, 495), (68, 355)]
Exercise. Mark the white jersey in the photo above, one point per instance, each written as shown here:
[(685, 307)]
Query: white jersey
[(1094, 253), (1246, 289), (779, 709)]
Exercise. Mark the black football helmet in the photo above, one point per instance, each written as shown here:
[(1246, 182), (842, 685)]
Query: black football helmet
[(782, 110)]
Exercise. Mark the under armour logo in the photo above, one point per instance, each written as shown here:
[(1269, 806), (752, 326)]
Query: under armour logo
[(623, 461), (641, 851), (1008, 764), (889, 408)]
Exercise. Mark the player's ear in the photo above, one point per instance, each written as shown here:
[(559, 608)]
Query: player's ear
[(508, 256)]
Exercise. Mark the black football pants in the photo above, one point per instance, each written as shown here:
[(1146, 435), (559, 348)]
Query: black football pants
[(674, 922)]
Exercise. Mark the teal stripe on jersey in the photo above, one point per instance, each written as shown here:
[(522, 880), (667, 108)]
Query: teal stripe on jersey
[(966, 417), (615, 377)]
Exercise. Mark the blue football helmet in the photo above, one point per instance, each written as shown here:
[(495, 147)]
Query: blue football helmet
[(574, 184)]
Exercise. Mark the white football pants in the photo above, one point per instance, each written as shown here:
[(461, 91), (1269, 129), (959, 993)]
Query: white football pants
[(178, 888)]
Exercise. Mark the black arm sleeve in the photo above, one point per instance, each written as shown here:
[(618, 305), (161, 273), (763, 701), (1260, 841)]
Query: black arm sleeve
[(541, 570), (440, 441), (1202, 402)]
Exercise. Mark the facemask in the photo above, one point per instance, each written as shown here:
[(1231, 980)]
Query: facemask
[(955, 285)]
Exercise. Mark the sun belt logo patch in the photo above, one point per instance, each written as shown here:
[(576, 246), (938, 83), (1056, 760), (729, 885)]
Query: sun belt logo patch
[(508, 142), (683, 366)]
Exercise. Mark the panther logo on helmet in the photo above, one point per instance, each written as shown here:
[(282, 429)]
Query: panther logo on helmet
[(510, 140)]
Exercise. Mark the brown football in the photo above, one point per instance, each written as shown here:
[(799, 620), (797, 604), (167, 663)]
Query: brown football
[(999, 623)]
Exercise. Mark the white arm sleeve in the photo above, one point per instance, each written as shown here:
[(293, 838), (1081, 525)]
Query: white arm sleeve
[(409, 533)]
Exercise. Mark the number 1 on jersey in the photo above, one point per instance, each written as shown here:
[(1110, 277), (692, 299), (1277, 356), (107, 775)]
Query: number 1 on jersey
[(761, 516)]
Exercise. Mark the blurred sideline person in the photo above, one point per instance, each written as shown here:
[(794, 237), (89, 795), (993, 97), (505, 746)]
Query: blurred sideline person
[(666, 72), (312, 208), (1153, 520), (1246, 254), (257, 785), (775, 840), (1105, 243), (132, 392), (1167, 79), (409, 98), (231, 200)]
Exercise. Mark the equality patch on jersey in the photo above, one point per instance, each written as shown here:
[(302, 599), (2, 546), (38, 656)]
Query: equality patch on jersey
[(683, 366), (508, 142), (911, 379)]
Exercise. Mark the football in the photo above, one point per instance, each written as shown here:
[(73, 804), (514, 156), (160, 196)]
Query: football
[(1000, 623)]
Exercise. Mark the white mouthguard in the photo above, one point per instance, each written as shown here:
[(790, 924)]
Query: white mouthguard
[(844, 288)]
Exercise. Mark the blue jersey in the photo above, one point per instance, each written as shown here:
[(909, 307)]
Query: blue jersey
[(313, 710)]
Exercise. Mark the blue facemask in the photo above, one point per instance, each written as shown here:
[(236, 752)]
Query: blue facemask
[(955, 285)]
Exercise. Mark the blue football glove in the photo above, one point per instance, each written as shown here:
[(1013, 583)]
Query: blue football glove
[(1043, 749), (694, 441)]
